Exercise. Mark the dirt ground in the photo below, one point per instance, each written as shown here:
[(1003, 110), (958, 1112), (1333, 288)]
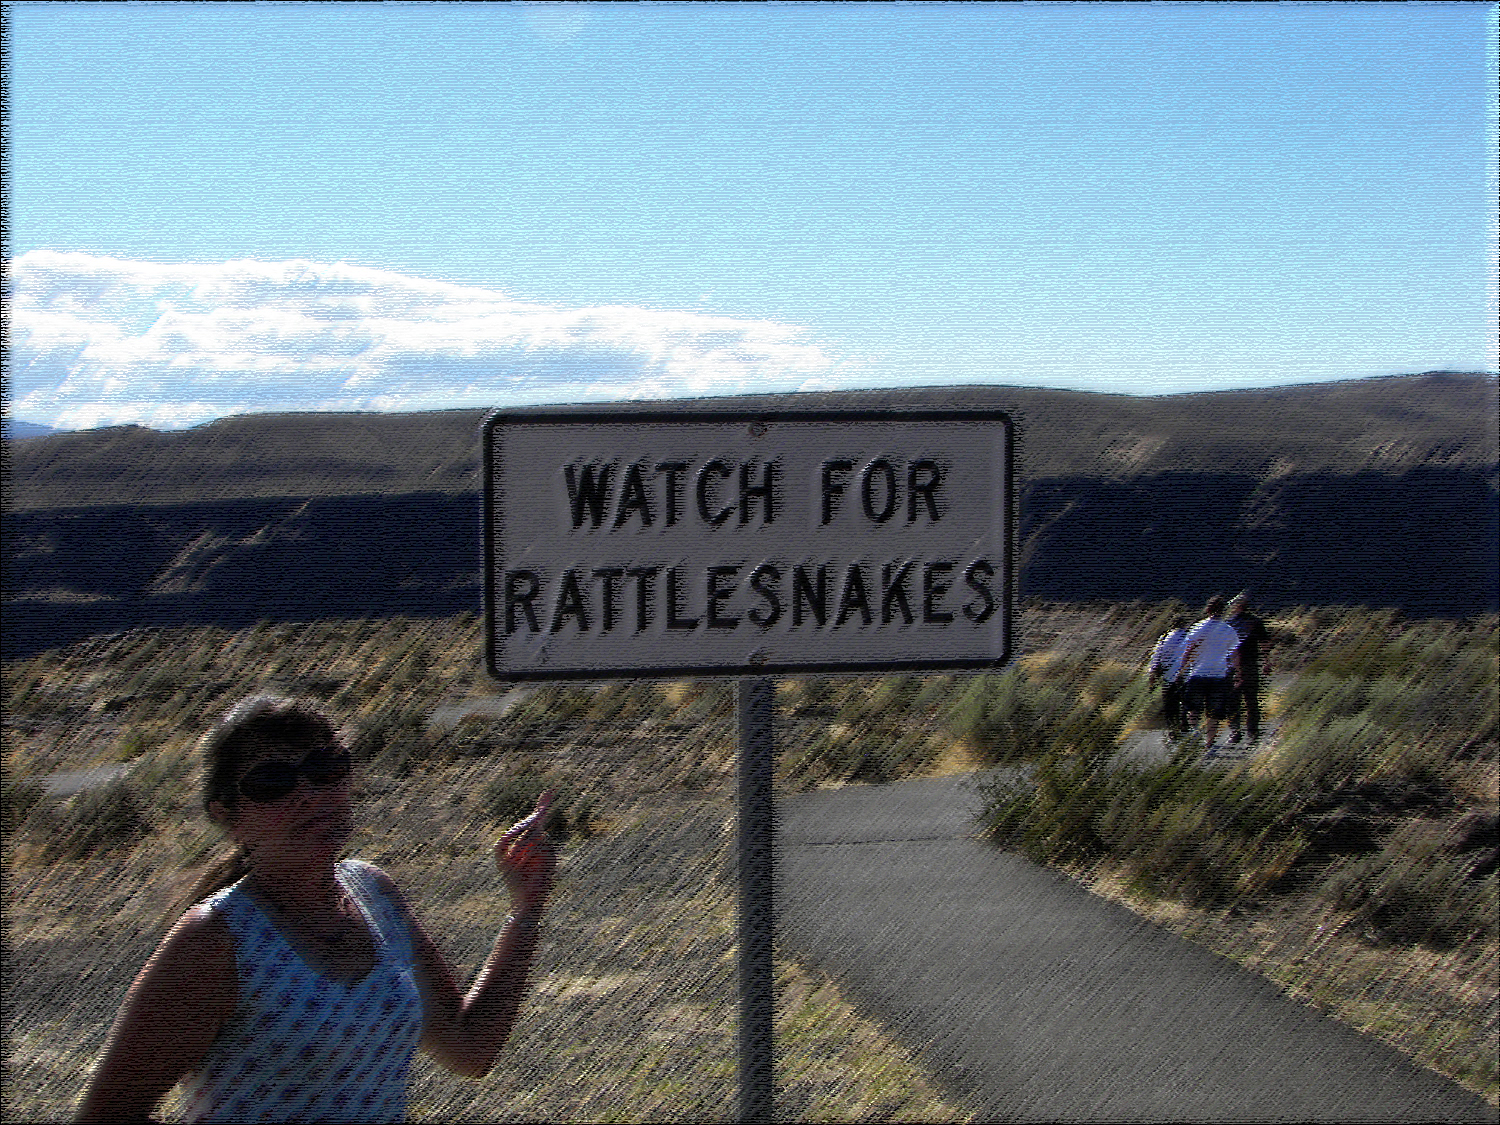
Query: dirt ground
[(633, 1015), (633, 1011)]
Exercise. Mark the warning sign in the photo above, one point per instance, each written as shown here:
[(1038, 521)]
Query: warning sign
[(637, 543)]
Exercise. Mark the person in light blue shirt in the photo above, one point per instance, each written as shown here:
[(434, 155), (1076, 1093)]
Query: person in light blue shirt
[(1166, 665), (301, 987)]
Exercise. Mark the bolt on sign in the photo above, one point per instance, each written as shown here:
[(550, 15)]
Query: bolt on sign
[(659, 543)]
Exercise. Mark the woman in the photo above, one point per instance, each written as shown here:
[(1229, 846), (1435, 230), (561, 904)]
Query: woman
[(301, 991)]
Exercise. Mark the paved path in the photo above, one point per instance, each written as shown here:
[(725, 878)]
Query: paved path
[(1151, 747), (76, 781), (449, 715), (1037, 1001)]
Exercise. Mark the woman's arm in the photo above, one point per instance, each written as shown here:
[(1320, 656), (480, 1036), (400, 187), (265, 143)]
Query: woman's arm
[(173, 1012), (466, 1032)]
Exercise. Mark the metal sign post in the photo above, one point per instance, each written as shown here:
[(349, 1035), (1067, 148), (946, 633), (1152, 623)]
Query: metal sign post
[(757, 921), (639, 542)]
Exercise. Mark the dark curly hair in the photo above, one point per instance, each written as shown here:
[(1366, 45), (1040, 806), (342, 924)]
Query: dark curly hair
[(249, 729)]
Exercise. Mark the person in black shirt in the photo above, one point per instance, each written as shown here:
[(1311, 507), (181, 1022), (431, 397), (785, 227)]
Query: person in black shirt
[(1253, 636)]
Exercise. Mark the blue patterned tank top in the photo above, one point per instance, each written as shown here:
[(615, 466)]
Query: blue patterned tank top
[(302, 1046)]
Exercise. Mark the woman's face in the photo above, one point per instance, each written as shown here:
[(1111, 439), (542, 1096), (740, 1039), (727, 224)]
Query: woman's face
[(309, 822)]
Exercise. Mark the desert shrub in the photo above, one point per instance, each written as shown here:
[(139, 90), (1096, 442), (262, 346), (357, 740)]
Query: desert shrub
[(473, 736), (1380, 704), (1178, 828), (1327, 757), (806, 697), (413, 663), (1135, 697), (101, 819), (20, 797), (931, 693), (1321, 696), (979, 712), (709, 702), (1413, 890), (895, 692), (25, 699), (555, 703), (1438, 683), (1087, 732), (155, 682), (1010, 717), (842, 752), (394, 743), (1405, 763), (1182, 828), (168, 771), (1107, 683), (508, 799), (1396, 703), (872, 734), (623, 701), (1048, 812), (131, 745), (1068, 671), (1472, 700)]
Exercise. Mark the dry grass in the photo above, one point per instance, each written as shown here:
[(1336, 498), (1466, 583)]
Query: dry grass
[(635, 1001), (634, 1006), (634, 1009)]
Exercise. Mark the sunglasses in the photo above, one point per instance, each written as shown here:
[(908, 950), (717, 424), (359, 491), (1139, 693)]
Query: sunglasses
[(271, 781)]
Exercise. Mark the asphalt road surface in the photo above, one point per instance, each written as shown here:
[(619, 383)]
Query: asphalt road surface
[(74, 782), (1034, 1000)]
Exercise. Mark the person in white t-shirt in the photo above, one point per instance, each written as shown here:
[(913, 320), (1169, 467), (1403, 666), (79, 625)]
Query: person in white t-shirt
[(1210, 664)]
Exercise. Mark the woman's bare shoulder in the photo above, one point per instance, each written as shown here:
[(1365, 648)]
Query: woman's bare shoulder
[(171, 1015), (199, 942)]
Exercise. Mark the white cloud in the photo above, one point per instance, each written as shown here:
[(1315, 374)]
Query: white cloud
[(103, 341), (556, 22)]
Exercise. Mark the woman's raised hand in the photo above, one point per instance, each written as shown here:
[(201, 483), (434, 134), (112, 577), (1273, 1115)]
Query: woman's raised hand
[(527, 858)]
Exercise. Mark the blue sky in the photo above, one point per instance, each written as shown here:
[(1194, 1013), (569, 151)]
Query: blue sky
[(223, 208)]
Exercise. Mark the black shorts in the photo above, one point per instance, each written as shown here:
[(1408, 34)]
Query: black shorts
[(1209, 694)]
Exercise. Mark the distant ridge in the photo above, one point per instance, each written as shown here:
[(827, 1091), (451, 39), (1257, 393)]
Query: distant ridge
[(1381, 424), (18, 430), (1379, 492)]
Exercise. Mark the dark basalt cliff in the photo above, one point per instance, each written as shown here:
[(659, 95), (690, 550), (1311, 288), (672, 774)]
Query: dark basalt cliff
[(1377, 493)]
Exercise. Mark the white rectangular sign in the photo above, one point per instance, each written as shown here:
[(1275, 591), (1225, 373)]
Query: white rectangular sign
[(659, 543)]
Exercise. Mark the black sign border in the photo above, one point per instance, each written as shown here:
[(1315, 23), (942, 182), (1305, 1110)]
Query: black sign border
[(624, 415)]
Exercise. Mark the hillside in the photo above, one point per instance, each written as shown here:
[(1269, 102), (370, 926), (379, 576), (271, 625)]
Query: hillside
[(1387, 425), (1378, 492)]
